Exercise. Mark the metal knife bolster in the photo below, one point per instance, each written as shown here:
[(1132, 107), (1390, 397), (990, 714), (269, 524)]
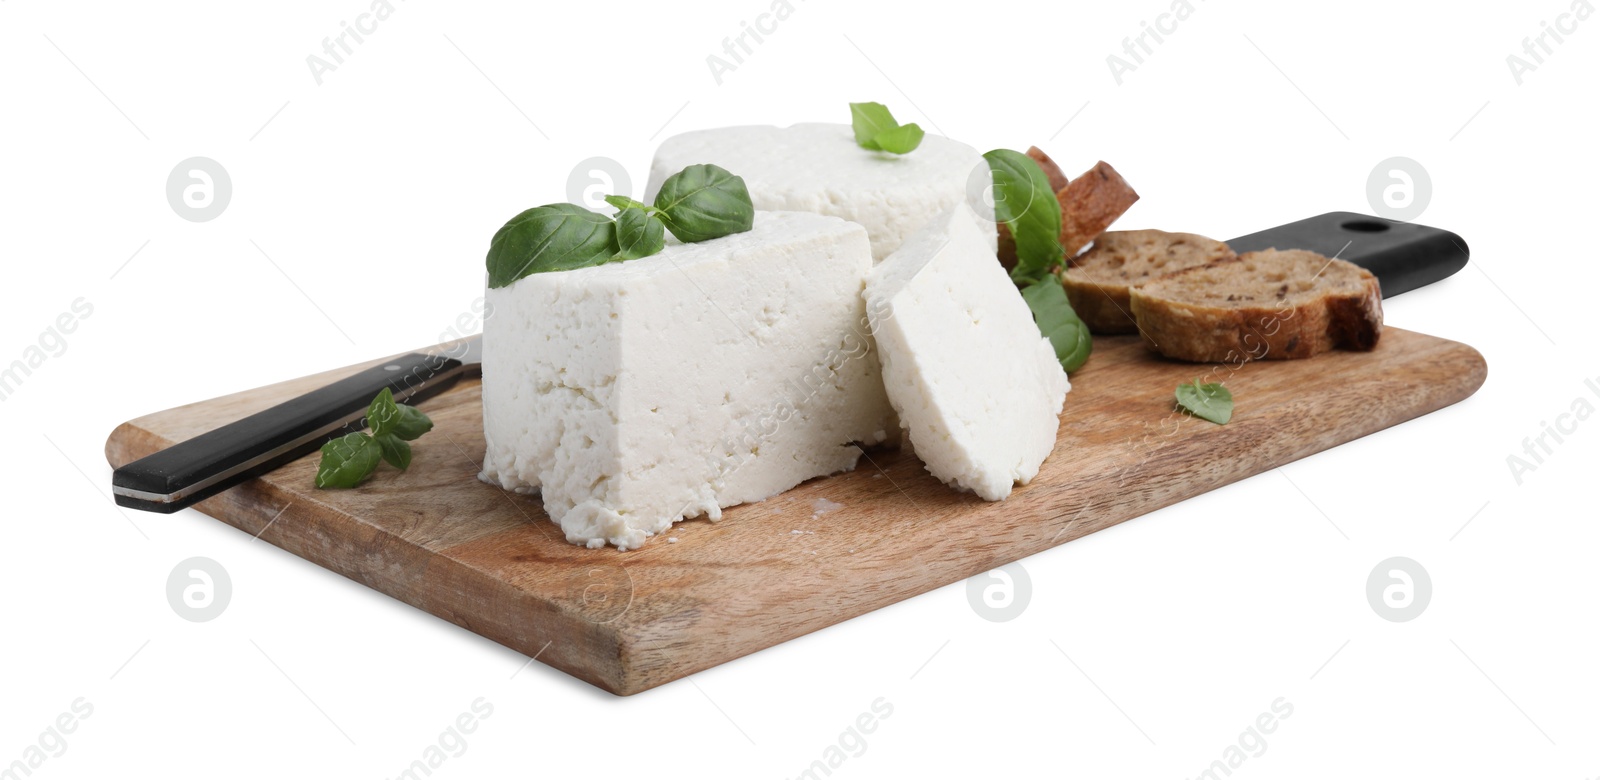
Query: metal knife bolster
[(198, 468)]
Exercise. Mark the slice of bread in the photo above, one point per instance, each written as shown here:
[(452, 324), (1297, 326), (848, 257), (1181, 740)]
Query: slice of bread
[(1089, 204), (1098, 281), (1272, 305)]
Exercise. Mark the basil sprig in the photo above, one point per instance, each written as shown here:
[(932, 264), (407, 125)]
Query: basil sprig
[(1024, 201), (623, 202), (347, 460), (698, 203), (1209, 401), (877, 131)]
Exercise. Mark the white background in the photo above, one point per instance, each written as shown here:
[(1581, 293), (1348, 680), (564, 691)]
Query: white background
[(374, 196)]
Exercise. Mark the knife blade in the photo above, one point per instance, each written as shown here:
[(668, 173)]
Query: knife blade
[(198, 468)]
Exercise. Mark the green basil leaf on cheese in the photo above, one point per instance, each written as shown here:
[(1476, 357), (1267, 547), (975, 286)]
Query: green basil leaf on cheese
[(557, 237), (1024, 201), (347, 460), (623, 202), (702, 202), (412, 423), (899, 140), (868, 120), (396, 451), (1208, 401), (1068, 335), (638, 234)]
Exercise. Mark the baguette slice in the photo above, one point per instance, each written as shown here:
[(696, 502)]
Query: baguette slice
[(1273, 305), (1089, 204), (1098, 281)]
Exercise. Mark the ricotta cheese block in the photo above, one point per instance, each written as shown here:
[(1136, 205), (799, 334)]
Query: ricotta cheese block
[(819, 168), (635, 394), (978, 389)]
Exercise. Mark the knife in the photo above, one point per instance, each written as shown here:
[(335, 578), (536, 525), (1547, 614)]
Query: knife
[(1402, 255), (205, 465)]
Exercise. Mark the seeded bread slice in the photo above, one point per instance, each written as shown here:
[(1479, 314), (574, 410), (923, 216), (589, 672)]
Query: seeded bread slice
[(1273, 305), (1098, 281)]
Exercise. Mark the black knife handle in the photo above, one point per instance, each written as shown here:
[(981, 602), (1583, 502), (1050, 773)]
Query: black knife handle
[(1403, 255), (200, 467)]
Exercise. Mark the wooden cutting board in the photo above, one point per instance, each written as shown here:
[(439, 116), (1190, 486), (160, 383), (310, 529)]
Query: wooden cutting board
[(439, 539)]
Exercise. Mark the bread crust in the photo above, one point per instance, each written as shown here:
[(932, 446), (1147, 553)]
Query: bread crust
[(1350, 318), (1052, 172), (1106, 308), (1089, 204)]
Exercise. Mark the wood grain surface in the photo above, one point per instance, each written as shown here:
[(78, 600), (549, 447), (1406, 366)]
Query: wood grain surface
[(439, 539)]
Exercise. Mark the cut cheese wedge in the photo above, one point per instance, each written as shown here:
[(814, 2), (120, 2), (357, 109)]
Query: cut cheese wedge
[(977, 387), (634, 394)]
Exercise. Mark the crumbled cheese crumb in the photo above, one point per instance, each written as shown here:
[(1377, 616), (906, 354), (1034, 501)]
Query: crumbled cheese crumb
[(823, 506)]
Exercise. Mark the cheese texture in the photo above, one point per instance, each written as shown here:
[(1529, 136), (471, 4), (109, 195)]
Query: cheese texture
[(977, 387), (634, 394), (819, 168)]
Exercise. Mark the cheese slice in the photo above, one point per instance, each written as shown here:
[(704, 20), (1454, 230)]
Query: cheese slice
[(978, 389), (819, 168), (634, 394)]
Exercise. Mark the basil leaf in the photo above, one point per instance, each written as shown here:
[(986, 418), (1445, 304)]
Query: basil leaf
[(638, 235), (396, 452), (1059, 323), (382, 413), (868, 120), (557, 237), (1209, 401), (411, 423), (350, 458), (702, 202), (347, 460), (1024, 202), (623, 202), (899, 140)]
